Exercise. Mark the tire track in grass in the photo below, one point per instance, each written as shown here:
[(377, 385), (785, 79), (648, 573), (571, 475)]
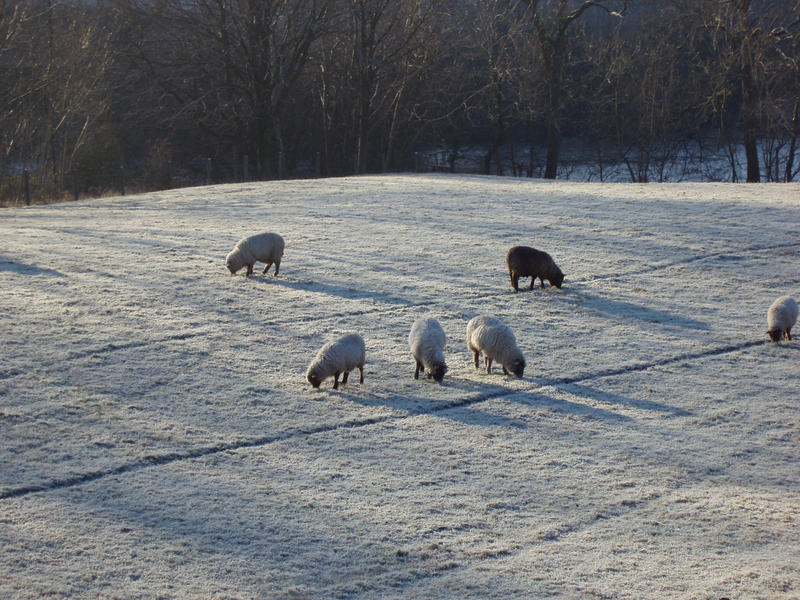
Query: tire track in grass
[(693, 259), (497, 392), (112, 347)]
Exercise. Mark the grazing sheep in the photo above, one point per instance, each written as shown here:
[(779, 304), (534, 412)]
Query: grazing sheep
[(488, 334), (427, 340), (263, 247), (340, 356), (524, 261), (781, 317)]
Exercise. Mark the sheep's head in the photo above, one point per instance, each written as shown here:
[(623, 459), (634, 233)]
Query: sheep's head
[(314, 379), (234, 261), (518, 367), (557, 279), (438, 372), (775, 334)]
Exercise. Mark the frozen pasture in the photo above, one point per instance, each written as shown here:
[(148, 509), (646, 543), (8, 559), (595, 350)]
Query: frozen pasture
[(159, 439)]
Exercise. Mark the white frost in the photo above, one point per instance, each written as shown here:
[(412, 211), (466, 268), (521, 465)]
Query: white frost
[(159, 437)]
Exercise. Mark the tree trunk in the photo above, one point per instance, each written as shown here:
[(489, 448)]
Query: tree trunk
[(553, 146), (793, 141), (553, 127), (751, 154)]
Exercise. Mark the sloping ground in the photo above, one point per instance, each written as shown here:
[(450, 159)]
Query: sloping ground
[(160, 439)]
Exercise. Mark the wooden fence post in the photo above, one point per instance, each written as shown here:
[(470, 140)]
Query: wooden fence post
[(122, 179), (26, 176)]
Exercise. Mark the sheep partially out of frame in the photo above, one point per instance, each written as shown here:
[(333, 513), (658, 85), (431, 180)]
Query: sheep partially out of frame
[(781, 317)]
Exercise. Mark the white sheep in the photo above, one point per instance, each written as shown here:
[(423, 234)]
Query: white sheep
[(336, 357), (427, 340), (262, 247), (781, 317), (492, 337)]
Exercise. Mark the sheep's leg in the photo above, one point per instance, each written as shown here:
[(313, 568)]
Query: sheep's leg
[(336, 380), (416, 371), (249, 269), (504, 370), (345, 376), (277, 267), (541, 281), (361, 370), (475, 354), (264, 272), (533, 280), (488, 364), (514, 280), (789, 333)]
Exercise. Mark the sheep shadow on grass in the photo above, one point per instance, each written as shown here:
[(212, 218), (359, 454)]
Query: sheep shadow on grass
[(331, 289), (596, 395), (626, 311), (546, 401), (23, 269)]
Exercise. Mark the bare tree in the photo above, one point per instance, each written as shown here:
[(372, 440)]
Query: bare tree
[(494, 34), (746, 46), (13, 61), (649, 89), (232, 66), (56, 58), (385, 44), (550, 23)]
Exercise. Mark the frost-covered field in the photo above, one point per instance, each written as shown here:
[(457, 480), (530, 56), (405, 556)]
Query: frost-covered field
[(159, 438)]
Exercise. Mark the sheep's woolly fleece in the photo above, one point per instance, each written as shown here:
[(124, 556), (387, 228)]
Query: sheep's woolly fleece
[(781, 317), (339, 356), (264, 247), (427, 341), (490, 339), (160, 438)]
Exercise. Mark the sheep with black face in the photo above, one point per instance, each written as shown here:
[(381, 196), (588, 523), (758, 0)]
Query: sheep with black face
[(524, 261)]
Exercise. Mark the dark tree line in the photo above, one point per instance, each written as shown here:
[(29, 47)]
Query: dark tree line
[(99, 92)]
